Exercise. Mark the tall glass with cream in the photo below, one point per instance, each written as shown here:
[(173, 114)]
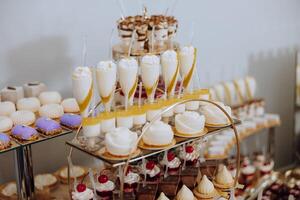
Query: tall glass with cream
[(187, 64)]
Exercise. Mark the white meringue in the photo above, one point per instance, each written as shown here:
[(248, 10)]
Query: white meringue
[(189, 122), (205, 186), (158, 134)]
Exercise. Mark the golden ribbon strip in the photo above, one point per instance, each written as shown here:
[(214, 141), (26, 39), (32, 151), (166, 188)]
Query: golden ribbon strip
[(228, 95), (150, 90), (132, 90), (172, 83), (85, 103), (250, 96), (107, 98), (188, 77), (238, 89)]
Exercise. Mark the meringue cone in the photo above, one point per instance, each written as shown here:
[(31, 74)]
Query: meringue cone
[(205, 186), (224, 177), (185, 194), (162, 196)]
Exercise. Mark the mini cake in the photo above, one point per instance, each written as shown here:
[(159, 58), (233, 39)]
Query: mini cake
[(82, 193), (247, 174), (9, 190), (7, 108), (71, 120), (5, 141), (75, 172), (266, 168), (159, 134), (120, 142), (205, 189), (172, 163), (190, 155), (33, 89), (5, 124), (50, 97), (104, 187), (12, 93), (45, 181), (70, 105), (108, 125), (215, 116), (48, 126), (223, 179), (185, 194), (53, 111), (23, 117), (31, 103), (25, 133), (152, 171), (162, 196), (189, 123), (131, 180)]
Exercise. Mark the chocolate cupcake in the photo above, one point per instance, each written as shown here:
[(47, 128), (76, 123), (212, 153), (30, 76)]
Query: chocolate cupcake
[(24, 133), (71, 120), (48, 126)]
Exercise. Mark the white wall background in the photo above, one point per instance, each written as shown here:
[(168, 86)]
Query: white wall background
[(42, 40)]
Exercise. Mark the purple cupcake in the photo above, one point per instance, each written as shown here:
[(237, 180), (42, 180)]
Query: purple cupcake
[(26, 133), (48, 126), (71, 120), (5, 141)]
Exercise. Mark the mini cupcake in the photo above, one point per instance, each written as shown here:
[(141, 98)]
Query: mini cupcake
[(5, 141), (71, 120), (6, 124), (190, 155), (248, 174), (82, 193), (104, 187), (266, 168), (23, 117), (131, 180), (48, 126), (152, 171), (24, 133), (70, 105), (172, 163)]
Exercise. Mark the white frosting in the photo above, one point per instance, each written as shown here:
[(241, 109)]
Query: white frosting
[(214, 115), (92, 130), (85, 195), (106, 74), (131, 178), (70, 105), (162, 196), (50, 97), (6, 124), (185, 194), (139, 119), (7, 108), (121, 141), (169, 64), (192, 105), (52, 111), (248, 170), (173, 163), (23, 117), (126, 121), (158, 134), (108, 125), (189, 122), (153, 172), (127, 70), (223, 176), (31, 103), (108, 186), (267, 168), (205, 186), (186, 58), (44, 180), (179, 108), (75, 171), (189, 156), (9, 190)]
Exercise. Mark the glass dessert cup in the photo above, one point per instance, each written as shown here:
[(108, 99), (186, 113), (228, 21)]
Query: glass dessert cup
[(147, 192), (169, 186)]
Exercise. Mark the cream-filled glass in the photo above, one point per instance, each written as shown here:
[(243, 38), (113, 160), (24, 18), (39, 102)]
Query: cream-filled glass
[(187, 65)]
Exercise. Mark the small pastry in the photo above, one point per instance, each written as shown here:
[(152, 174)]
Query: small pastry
[(70, 105), (82, 193), (172, 163), (189, 123), (121, 141), (162, 196), (53, 111), (71, 120), (247, 174), (12, 93), (25, 133), (190, 155), (75, 172), (108, 125), (205, 189), (223, 178), (50, 97), (48, 126), (150, 114), (185, 194), (266, 168), (152, 171), (32, 104), (7, 108), (43, 181), (131, 180), (6, 124), (5, 141), (23, 117), (9, 190), (125, 121), (104, 187), (158, 134), (214, 115), (33, 89)]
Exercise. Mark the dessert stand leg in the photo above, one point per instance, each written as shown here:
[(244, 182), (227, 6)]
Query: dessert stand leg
[(19, 170), (271, 142), (29, 178)]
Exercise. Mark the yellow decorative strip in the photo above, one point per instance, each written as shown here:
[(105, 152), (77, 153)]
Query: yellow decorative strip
[(172, 83), (107, 98), (150, 90), (249, 94), (85, 103), (189, 76), (132, 90)]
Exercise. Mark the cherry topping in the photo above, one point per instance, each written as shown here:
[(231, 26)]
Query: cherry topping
[(170, 156), (150, 165), (189, 149), (81, 187), (102, 179)]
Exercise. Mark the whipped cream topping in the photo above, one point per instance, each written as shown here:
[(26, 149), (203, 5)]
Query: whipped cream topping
[(150, 60), (169, 55), (44, 180), (189, 122), (85, 195), (169, 63), (267, 168), (172, 164), (158, 134), (185, 194), (187, 50), (80, 72), (127, 63), (248, 170), (162, 196), (214, 115), (106, 65), (189, 156), (223, 176), (153, 172), (108, 186), (205, 186), (131, 178)]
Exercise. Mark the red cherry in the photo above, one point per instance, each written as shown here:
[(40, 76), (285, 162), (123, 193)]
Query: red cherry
[(150, 165), (129, 169), (81, 187), (189, 149), (170, 156), (102, 179)]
